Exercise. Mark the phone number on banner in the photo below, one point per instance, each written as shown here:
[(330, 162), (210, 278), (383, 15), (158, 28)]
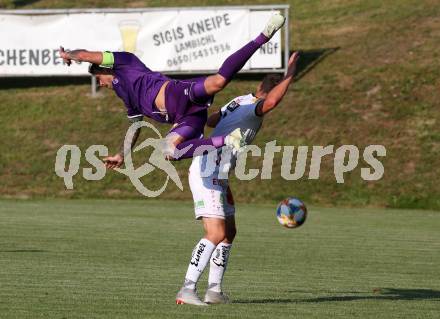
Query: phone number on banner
[(199, 54)]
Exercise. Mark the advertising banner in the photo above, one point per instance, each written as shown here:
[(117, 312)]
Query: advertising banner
[(184, 40)]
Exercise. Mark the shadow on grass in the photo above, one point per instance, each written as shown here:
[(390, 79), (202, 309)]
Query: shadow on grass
[(309, 59), (377, 294), (23, 251), (41, 81), (15, 4)]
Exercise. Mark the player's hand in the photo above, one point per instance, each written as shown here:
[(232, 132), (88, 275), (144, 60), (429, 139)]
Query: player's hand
[(113, 161), (292, 62), (65, 56)]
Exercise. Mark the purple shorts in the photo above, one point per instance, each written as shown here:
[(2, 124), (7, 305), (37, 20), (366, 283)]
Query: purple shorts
[(191, 126), (187, 106)]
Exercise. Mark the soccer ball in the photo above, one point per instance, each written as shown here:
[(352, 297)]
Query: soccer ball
[(291, 212)]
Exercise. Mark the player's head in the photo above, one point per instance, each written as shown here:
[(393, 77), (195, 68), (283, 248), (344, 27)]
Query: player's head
[(268, 83), (104, 76)]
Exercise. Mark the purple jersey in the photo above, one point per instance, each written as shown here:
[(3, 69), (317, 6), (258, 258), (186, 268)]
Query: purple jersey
[(137, 86)]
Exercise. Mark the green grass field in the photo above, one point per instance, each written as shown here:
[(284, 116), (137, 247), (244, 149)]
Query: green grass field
[(374, 78), (127, 259)]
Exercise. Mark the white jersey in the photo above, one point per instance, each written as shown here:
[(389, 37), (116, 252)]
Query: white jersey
[(238, 113)]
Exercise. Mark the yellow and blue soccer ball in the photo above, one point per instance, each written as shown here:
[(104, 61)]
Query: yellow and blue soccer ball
[(291, 212)]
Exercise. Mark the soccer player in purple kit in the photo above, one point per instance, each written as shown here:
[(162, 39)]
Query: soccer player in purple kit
[(182, 103)]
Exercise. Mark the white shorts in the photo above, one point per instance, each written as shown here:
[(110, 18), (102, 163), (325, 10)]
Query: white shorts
[(212, 196)]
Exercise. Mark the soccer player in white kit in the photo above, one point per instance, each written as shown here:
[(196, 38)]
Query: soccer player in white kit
[(213, 201)]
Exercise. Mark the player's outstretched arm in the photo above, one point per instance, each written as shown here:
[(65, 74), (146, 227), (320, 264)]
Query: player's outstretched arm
[(277, 93), (117, 160), (213, 119), (80, 56)]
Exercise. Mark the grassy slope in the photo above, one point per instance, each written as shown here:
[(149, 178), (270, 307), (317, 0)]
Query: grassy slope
[(379, 87), (120, 259)]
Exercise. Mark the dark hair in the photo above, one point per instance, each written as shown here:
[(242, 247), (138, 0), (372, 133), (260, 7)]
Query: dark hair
[(97, 69), (270, 81)]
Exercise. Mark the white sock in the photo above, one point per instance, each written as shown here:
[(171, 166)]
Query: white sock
[(217, 266), (199, 259)]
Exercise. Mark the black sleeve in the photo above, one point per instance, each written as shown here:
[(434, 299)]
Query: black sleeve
[(259, 108)]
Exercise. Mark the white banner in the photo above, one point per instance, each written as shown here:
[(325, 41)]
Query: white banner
[(168, 40)]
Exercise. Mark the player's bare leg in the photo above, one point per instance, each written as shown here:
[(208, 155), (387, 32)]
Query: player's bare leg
[(231, 230), (215, 229)]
